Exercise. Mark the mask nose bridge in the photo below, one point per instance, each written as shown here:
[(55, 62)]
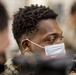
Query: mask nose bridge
[(35, 43)]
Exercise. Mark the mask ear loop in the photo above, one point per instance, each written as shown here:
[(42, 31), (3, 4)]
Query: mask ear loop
[(35, 43)]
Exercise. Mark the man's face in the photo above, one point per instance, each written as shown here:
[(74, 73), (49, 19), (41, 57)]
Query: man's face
[(4, 41), (49, 34), (74, 17)]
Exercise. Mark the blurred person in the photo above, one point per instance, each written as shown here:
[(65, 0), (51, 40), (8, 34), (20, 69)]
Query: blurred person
[(4, 41), (69, 29), (36, 29)]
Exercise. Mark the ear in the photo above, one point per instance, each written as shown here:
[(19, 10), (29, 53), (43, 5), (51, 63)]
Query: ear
[(25, 45)]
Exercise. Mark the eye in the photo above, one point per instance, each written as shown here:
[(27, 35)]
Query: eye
[(61, 38), (51, 40)]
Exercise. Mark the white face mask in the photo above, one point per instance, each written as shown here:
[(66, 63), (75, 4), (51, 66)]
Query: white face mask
[(53, 50)]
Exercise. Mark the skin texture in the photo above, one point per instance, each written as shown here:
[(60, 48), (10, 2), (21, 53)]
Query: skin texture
[(73, 17), (4, 42), (49, 33), (72, 73)]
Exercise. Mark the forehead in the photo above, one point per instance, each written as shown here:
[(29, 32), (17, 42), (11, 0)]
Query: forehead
[(49, 26)]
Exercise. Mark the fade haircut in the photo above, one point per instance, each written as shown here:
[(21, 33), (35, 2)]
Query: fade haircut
[(26, 20)]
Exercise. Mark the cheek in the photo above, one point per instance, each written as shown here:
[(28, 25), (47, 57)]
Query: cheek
[(74, 17), (37, 49), (4, 42)]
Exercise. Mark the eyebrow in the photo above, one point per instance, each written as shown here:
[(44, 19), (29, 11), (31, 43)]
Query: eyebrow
[(56, 33), (53, 34)]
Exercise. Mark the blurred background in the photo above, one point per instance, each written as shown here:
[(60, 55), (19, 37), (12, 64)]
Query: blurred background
[(66, 10)]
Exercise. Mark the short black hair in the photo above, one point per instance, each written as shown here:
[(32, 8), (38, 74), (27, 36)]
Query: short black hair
[(3, 18), (73, 8), (27, 18)]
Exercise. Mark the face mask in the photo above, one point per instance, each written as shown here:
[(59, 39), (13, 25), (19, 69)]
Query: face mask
[(53, 50)]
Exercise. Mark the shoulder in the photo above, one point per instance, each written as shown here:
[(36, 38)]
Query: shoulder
[(9, 68)]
